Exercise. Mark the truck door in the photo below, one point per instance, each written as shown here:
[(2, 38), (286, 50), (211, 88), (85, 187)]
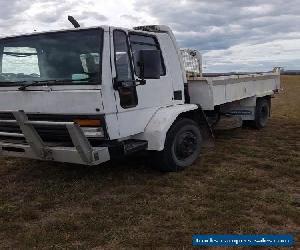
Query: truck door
[(136, 104)]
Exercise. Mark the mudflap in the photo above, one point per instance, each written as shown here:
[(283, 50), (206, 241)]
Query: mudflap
[(206, 129)]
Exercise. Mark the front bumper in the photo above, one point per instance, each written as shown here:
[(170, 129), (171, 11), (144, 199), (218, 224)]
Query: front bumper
[(81, 151), (59, 154)]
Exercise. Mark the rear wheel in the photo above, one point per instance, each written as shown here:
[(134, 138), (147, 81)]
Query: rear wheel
[(262, 113), (182, 146)]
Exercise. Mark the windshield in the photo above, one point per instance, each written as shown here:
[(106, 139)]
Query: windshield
[(73, 56)]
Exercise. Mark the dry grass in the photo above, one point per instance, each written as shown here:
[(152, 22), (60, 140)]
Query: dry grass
[(249, 183)]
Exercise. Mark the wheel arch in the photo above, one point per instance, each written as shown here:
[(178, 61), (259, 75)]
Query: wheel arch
[(199, 117), (159, 125)]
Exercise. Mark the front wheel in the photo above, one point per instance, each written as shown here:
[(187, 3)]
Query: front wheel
[(182, 146)]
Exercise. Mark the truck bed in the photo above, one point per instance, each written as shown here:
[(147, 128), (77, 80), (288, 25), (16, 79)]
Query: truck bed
[(212, 91)]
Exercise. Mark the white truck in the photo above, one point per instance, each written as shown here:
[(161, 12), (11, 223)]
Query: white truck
[(88, 95)]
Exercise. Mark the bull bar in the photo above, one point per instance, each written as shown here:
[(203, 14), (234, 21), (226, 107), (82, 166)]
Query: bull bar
[(81, 153)]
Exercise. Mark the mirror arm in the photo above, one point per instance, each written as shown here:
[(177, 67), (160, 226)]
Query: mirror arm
[(141, 81), (130, 83)]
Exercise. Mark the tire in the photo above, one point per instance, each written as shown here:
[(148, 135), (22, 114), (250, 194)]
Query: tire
[(262, 113), (182, 146)]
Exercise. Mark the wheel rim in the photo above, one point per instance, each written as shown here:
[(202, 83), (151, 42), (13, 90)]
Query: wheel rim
[(264, 112), (186, 145)]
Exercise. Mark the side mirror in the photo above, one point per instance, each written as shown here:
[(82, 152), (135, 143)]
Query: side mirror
[(149, 62)]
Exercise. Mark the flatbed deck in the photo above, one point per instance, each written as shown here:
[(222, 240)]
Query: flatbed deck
[(212, 91)]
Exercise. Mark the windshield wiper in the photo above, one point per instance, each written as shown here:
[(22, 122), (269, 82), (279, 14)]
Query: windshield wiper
[(24, 87), (12, 82)]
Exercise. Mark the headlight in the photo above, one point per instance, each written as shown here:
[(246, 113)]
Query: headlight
[(91, 127), (93, 132)]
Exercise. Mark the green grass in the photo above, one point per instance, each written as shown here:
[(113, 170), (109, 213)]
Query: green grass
[(249, 183)]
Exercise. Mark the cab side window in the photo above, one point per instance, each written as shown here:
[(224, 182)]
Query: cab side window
[(122, 59), (143, 42), (128, 95)]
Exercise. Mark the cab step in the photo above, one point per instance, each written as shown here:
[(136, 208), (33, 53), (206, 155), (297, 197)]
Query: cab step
[(119, 149), (132, 146)]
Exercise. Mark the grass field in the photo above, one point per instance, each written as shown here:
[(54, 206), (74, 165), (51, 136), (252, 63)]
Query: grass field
[(249, 183)]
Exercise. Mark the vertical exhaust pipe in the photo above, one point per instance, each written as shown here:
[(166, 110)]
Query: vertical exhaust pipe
[(73, 21)]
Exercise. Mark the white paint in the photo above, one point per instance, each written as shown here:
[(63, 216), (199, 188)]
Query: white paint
[(156, 130), (151, 96), (52, 102), (212, 91)]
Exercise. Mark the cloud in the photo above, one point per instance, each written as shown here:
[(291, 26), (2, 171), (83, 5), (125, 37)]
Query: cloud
[(248, 57), (221, 29), (93, 14), (50, 11), (12, 14), (12, 9), (221, 24), (130, 18)]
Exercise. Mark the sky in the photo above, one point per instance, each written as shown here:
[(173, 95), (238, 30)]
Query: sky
[(232, 35)]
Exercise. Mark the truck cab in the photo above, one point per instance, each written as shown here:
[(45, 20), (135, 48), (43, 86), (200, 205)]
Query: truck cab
[(115, 86)]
